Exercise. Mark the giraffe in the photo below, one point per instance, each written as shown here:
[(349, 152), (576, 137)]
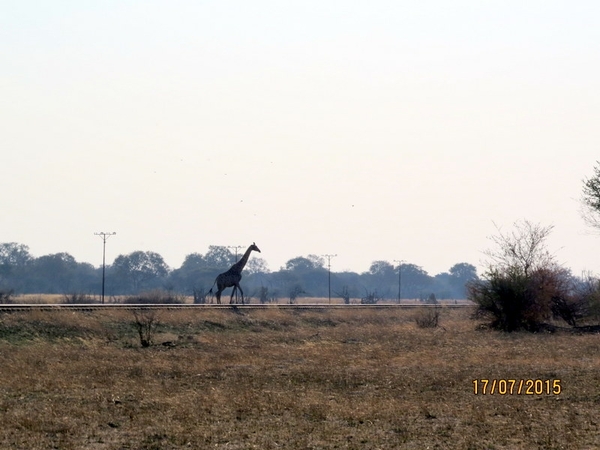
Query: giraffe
[(233, 276)]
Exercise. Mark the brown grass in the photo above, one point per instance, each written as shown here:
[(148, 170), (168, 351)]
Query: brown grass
[(60, 298), (273, 379)]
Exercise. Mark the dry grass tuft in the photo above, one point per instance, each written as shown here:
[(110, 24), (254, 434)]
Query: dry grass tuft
[(288, 379)]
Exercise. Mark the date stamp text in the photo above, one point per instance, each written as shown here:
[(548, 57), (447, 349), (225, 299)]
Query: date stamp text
[(516, 387)]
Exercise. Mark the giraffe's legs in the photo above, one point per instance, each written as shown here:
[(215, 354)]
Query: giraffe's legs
[(235, 288)]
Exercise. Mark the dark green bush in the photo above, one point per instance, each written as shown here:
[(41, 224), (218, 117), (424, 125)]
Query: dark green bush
[(515, 300)]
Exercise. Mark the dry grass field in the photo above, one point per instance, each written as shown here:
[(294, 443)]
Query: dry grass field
[(289, 379), (62, 298)]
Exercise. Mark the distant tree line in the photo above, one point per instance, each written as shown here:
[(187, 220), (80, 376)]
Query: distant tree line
[(143, 271)]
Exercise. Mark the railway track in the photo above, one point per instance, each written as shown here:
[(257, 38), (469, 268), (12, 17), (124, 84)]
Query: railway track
[(173, 306)]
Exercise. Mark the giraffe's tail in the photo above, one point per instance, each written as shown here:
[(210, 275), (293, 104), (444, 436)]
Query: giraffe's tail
[(211, 289)]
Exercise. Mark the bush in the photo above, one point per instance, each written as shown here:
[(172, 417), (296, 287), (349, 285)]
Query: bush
[(431, 300), (146, 322), (294, 291), (344, 294), (5, 296), (265, 295), (582, 305), (200, 295), (523, 286), (500, 298), (514, 300), (428, 318), (370, 298)]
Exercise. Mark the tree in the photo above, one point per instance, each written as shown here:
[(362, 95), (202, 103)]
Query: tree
[(460, 275), (442, 286), (139, 271), (522, 281), (463, 272), (318, 261), (415, 281), (14, 261), (13, 254), (382, 269), (54, 273), (256, 265), (284, 280), (193, 261), (300, 264), (523, 249), (307, 272), (591, 198), (194, 273), (346, 285), (218, 257), (381, 277)]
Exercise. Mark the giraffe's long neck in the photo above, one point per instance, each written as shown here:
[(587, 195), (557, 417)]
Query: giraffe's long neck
[(239, 266)]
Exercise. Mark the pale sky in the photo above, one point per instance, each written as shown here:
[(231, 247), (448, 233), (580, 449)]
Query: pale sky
[(380, 130)]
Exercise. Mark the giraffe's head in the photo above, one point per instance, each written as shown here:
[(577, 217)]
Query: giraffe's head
[(254, 247)]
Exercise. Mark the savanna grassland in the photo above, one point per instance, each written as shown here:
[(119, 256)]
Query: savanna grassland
[(289, 379)]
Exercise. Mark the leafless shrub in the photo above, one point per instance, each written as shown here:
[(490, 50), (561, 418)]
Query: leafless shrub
[(294, 291), (200, 295), (431, 300), (583, 304), (78, 299), (265, 295), (428, 318), (370, 298), (344, 294), (5, 296), (145, 322)]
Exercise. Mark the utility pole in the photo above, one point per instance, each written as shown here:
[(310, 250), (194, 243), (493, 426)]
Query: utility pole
[(235, 247), (104, 236), (400, 262), (329, 272)]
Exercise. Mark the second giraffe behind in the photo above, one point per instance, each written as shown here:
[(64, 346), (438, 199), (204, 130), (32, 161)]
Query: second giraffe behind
[(233, 276)]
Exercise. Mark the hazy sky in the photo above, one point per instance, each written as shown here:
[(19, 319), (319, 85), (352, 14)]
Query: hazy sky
[(371, 130)]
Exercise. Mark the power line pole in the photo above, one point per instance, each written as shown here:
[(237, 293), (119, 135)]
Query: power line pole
[(235, 247), (400, 262), (104, 236), (329, 272)]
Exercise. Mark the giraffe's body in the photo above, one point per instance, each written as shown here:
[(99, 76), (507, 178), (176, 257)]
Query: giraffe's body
[(233, 276)]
